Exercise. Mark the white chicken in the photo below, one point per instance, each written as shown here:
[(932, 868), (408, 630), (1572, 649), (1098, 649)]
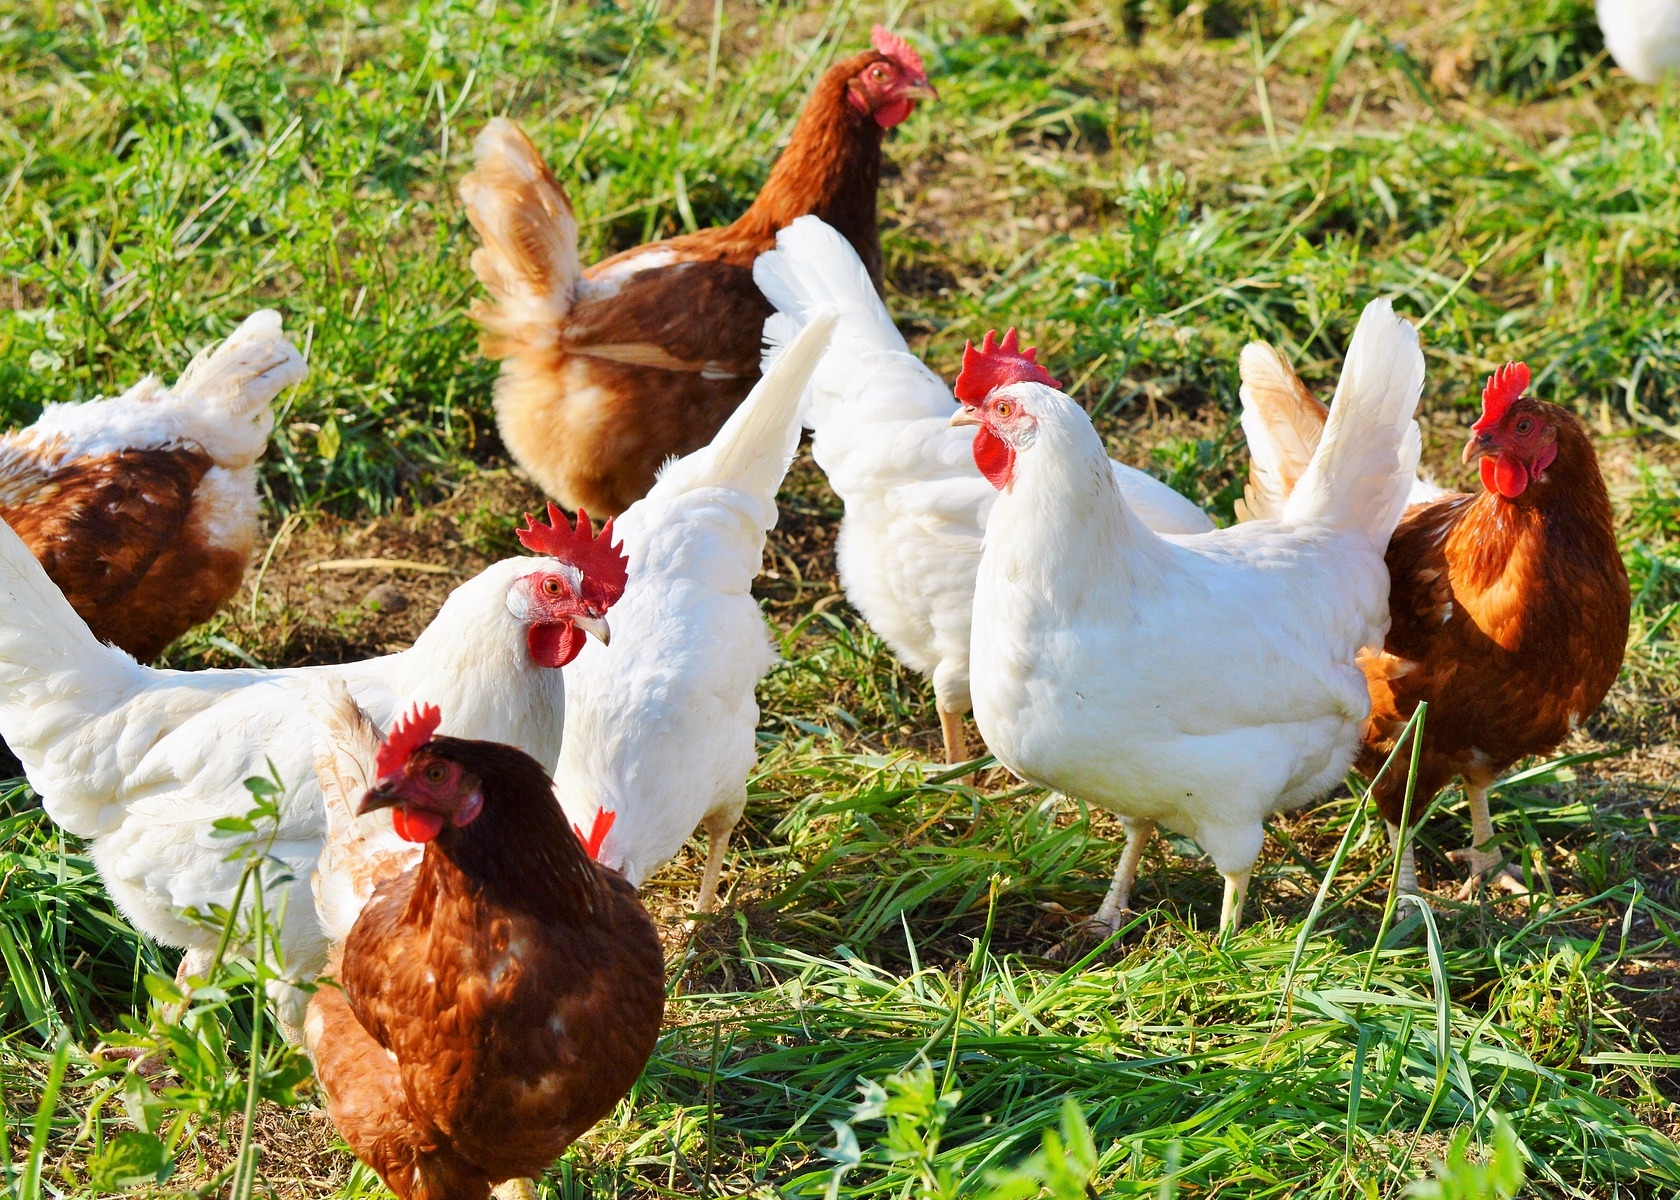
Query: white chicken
[(909, 544), (1643, 36), (142, 762), (661, 724), (1201, 683)]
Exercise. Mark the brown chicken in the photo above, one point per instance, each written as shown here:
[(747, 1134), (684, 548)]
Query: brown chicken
[(608, 372), (143, 508), (1509, 607), (494, 1001)]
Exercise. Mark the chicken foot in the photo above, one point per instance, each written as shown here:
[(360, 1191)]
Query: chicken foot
[(515, 1189), (1139, 833), (1482, 861), (718, 826)]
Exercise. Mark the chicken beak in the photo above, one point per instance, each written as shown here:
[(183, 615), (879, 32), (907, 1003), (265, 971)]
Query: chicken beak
[(596, 626), (920, 91), (1479, 446), (381, 795), (965, 416)]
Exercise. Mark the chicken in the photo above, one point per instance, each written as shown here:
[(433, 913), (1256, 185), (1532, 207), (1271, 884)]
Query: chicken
[(909, 543), (143, 507), (1202, 682), (494, 1000), (608, 372), (143, 762), (661, 724), (1643, 36), (1509, 608)]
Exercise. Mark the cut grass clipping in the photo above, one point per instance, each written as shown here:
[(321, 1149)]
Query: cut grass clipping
[(1141, 186)]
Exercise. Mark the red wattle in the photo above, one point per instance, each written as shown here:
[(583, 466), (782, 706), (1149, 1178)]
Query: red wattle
[(1504, 475), (894, 113), (995, 460), (554, 645), (416, 825)]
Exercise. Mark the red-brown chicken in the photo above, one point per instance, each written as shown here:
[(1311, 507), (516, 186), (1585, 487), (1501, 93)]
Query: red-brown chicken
[(143, 507), (1508, 607), (497, 999), (608, 372)]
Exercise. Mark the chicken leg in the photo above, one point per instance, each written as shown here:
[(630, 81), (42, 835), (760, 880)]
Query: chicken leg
[(718, 826), (1407, 885), (1482, 861), (1139, 834), (956, 740), (1236, 893)]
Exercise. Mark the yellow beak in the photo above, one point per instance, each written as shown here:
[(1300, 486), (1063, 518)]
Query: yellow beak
[(1479, 446), (965, 416), (596, 626)]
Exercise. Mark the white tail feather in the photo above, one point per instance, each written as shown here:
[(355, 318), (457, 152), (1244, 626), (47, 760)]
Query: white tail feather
[(225, 394), (813, 269), (1363, 469), (1283, 422)]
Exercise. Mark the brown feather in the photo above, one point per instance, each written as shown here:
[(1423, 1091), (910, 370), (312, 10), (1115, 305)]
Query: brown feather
[(513, 988), (1509, 617), (647, 365), (1294, 421)]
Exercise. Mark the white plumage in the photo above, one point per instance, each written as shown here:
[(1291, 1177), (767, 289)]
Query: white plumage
[(661, 724), (909, 545), (1643, 36), (1200, 682), (143, 761)]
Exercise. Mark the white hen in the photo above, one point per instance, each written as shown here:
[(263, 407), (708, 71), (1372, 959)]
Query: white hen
[(1202, 683), (1643, 36), (660, 725), (915, 510), (142, 762)]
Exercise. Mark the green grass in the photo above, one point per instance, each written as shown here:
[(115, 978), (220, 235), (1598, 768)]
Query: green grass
[(1141, 186)]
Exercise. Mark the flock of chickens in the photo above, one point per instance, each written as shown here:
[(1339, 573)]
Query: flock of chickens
[(487, 983)]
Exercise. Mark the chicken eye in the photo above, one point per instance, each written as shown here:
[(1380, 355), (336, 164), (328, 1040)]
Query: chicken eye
[(436, 773), (551, 586), (1003, 410), (1524, 425), (878, 71)]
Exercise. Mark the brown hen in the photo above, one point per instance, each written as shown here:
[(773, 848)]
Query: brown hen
[(1509, 607), (610, 371), (497, 999)]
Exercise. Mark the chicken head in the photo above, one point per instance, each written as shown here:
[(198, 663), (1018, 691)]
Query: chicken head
[(887, 88), (1516, 438), (422, 786), (1005, 425), (558, 607)]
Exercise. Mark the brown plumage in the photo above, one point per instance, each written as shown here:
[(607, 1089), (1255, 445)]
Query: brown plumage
[(143, 508), (496, 1000), (610, 371), (1508, 607), (1510, 617)]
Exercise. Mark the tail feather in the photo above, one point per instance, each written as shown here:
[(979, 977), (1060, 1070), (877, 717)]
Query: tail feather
[(224, 395), (812, 270), (752, 451), (354, 860), (1361, 473), (1283, 422), (529, 260), (56, 680)]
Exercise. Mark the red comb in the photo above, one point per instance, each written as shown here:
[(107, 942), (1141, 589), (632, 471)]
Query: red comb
[(1504, 388), (597, 832), (407, 736), (897, 49), (997, 364), (605, 566)]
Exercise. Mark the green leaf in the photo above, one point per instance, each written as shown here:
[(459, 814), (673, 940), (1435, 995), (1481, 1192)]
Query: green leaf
[(129, 1160)]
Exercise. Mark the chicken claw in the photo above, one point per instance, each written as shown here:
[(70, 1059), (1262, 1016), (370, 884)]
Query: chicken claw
[(1481, 862), (515, 1189)]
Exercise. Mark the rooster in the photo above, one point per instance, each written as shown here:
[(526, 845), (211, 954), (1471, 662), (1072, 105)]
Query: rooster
[(660, 725), (1509, 607), (144, 762), (1643, 36), (1201, 682), (608, 372), (909, 543), (492, 1000), (143, 507)]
